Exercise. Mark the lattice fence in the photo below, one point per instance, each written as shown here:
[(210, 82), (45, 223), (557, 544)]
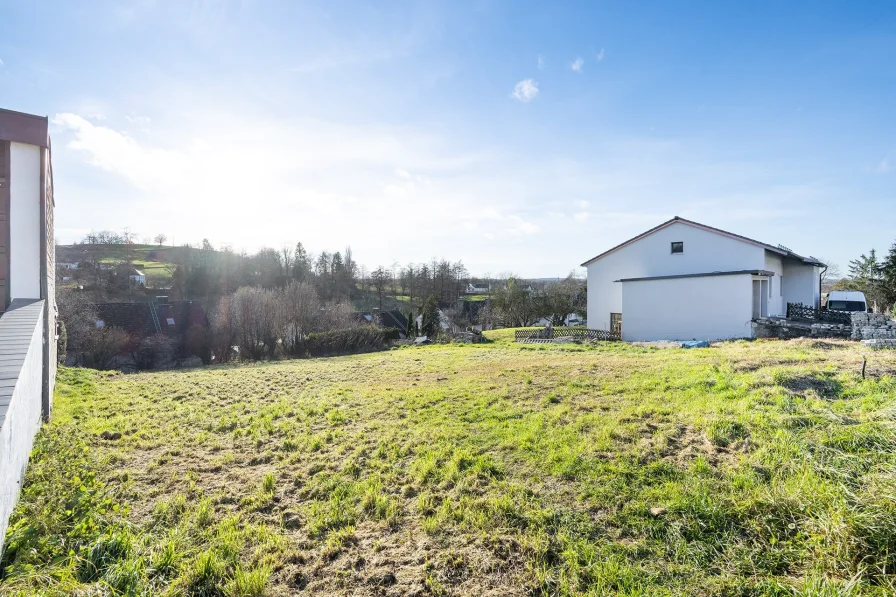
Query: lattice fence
[(577, 332), (807, 313)]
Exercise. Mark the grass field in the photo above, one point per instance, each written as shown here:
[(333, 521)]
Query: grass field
[(762, 468), (154, 260)]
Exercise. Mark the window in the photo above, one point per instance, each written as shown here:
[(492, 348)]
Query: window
[(677, 247), (846, 306), (170, 321), (100, 323)]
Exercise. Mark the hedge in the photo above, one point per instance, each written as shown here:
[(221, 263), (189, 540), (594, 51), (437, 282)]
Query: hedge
[(359, 339)]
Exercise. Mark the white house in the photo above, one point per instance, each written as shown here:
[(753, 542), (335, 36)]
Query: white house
[(137, 277), (687, 281)]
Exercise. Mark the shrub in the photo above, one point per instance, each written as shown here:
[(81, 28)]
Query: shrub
[(102, 347), (198, 342), (391, 333), (155, 352), (359, 339), (61, 343)]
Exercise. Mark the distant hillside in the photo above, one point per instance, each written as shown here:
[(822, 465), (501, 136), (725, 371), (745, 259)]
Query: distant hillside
[(156, 261)]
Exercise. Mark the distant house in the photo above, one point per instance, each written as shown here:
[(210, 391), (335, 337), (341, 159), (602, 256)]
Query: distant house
[(683, 280), (477, 289), (27, 294), (141, 320), (385, 319), (66, 265), (393, 319), (135, 276)]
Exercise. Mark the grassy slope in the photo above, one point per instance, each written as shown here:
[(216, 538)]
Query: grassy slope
[(158, 268), (471, 470)]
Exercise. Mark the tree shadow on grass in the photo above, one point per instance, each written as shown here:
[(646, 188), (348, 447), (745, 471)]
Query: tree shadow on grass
[(822, 384)]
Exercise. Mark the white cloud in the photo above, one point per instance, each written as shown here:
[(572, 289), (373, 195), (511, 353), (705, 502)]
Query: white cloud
[(498, 224), (577, 64), (520, 226), (1, 62), (525, 91), (141, 122), (581, 216), (600, 55), (402, 173), (542, 62), (884, 166)]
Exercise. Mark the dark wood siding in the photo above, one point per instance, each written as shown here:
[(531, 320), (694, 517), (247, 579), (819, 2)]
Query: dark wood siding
[(4, 225)]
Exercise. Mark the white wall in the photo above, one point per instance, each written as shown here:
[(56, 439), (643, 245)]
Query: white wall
[(704, 308), (24, 221), (651, 256), (776, 305), (801, 283), (21, 418)]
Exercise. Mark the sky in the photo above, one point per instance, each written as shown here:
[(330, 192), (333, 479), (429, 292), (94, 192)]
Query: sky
[(517, 137)]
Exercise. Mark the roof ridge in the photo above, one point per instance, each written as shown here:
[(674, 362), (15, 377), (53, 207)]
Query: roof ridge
[(708, 228)]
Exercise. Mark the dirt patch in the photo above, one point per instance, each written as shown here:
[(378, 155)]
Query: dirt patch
[(828, 345), (687, 443)]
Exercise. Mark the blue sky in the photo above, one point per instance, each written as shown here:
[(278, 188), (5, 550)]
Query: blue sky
[(519, 137)]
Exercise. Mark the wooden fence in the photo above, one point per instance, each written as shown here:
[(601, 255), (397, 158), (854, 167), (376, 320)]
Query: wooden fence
[(577, 332), (807, 313)]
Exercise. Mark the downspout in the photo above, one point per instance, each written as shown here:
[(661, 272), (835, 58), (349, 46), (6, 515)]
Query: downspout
[(820, 276)]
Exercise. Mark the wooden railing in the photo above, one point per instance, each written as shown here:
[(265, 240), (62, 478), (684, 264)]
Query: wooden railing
[(577, 332), (807, 313)]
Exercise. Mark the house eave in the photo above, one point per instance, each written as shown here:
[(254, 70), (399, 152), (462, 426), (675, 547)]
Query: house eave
[(740, 272)]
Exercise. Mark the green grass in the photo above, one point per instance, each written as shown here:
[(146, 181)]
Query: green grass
[(762, 468)]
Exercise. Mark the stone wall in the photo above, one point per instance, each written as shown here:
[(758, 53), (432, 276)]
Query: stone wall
[(873, 329), (873, 326), (775, 327)]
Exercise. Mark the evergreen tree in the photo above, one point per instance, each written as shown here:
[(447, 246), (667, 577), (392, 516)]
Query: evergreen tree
[(888, 275), (865, 269), (429, 325), (301, 263)]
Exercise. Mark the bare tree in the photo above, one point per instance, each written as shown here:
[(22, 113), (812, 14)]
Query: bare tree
[(829, 275), (78, 315), (380, 279), (301, 309), (160, 239), (513, 304), (286, 262)]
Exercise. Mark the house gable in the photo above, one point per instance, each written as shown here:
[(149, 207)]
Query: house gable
[(678, 220), (702, 251)]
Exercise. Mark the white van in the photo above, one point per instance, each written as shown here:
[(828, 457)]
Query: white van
[(846, 300)]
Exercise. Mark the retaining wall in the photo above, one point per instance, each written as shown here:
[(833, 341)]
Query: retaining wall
[(774, 327), (21, 389), (873, 326)]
